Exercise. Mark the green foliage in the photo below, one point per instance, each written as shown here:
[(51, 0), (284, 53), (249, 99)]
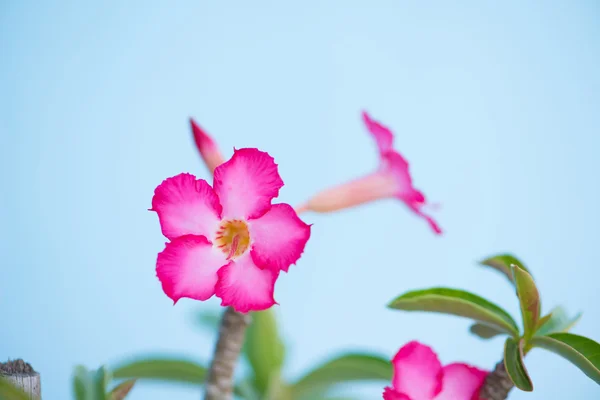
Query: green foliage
[(162, 369), (90, 385), (581, 351), (10, 392), (502, 263), (547, 331), (264, 349), (345, 368), (513, 361), (558, 321), (529, 300), (485, 331), (457, 302)]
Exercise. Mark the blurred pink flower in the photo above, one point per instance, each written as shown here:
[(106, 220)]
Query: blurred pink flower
[(391, 180), (207, 147), (227, 240), (418, 375)]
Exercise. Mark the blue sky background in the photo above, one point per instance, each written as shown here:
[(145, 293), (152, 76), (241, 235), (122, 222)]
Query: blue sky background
[(494, 104)]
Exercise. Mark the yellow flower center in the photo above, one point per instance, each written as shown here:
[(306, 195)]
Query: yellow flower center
[(233, 238)]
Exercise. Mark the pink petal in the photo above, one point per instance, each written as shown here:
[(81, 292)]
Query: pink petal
[(186, 205), (246, 287), (461, 382), (278, 237), (417, 371), (376, 186), (207, 147), (390, 394), (188, 266), (383, 135), (395, 165), (247, 183)]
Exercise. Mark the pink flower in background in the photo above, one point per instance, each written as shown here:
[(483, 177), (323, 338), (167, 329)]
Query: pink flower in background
[(391, 180), (227, 240), (207, 147), (418, 375)]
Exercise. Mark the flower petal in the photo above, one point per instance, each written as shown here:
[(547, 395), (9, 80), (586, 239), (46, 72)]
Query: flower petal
[(417, 371), (390, 394), (461, 382), (207, 147), (188, 266), (245, 287), (382, 134), (393, 163), (278, 238), (247, 183), (186, 205)]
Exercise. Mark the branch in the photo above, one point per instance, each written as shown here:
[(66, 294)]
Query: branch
[(497, 384), (219, 384)]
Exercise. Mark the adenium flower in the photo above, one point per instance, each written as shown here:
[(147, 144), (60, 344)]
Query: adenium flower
[(227, 240), (207, 147), (391, 180), (418, 375)]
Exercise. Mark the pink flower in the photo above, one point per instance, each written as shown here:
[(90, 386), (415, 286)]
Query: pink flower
[(207, 147), (227, 240), (391, 180), (418, 375)]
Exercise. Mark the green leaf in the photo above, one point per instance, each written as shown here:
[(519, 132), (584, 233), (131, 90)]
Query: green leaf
[(457, 302), (162, 369), (277, 389), (122, 390), (513, 361), (581, 351), (502, 262), (485, 331), (246, 390), (345, 368), (529, 299), (9, 392), (90, 385), (559, 321), (208, 320), (264, 349)]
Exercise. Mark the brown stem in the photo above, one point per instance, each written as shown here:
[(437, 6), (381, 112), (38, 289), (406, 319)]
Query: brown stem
[(219, 383), (23, 376), (497, 384)]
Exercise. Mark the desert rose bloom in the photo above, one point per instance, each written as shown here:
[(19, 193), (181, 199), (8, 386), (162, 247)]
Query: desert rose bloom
[(391, 180), (207, 147), (418, 375), (227, 240)]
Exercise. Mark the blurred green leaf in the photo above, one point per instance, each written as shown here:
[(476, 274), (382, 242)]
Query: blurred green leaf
[(264, 349), (345, 368), (90, 385), (277, 389), (485, 331), (246, 390), (559, 321), (581, 351), (208, 319), (9, 392), (513, 361), (457, 302), (162, 369), (122, 390), (529, 300), (502, 262)]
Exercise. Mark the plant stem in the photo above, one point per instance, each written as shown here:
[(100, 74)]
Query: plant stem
[(219, 383), (497, 384)]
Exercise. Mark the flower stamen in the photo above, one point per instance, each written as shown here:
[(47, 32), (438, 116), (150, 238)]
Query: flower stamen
[(233, 238)]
